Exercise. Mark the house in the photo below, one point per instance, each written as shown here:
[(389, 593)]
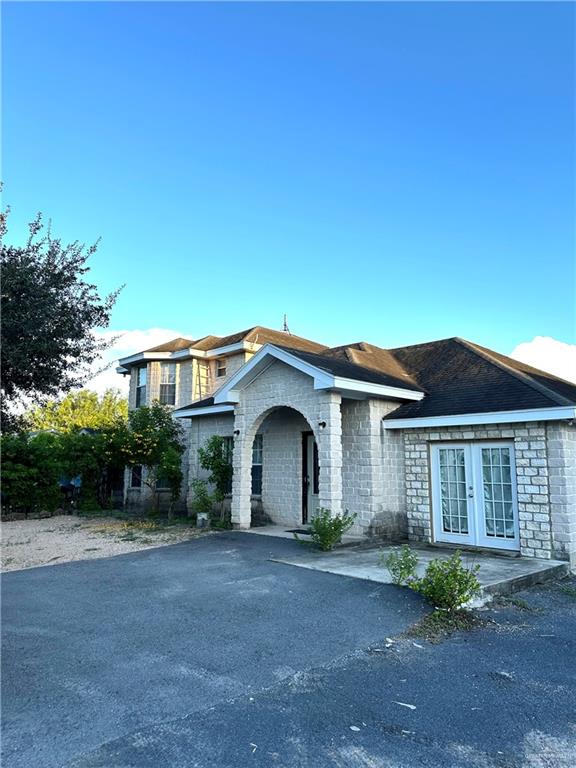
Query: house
[(444, 442)]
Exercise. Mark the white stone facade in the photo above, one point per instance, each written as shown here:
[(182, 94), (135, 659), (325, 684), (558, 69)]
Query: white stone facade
[(545, 476), (382, 475)]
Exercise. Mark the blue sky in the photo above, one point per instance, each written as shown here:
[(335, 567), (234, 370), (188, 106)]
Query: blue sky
[(380, 171)]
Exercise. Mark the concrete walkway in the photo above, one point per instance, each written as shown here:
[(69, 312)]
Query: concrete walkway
[(498, 574)]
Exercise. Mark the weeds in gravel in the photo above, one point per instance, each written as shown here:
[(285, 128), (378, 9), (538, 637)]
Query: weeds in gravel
[(440, 624), (517, 602)]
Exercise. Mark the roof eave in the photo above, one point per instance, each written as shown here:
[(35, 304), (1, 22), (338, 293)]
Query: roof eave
[(554, 413)]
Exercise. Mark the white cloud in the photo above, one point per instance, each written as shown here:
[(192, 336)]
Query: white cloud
[(550, 355), (128, 343)]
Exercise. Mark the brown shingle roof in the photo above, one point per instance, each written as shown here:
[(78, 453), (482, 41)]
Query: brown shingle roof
[(175, 345), (460, 377), (259, 335)]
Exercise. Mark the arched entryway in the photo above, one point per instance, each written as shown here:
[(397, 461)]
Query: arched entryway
[(300, 471)]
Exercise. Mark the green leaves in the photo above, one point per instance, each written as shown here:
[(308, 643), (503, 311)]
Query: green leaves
[(213, 457), (49, 314), (448, 584), (327, 530), (80, 410), (401, 563)]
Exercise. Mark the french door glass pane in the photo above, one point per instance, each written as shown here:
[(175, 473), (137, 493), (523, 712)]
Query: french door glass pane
[(453, 491), (497, 493)]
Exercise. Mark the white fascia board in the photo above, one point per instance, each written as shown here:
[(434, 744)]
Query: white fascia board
[(208, 410), (141, 356), (494, 417), (381, 390), (322, 379), (229, 349), (227, 393), (123, 371)]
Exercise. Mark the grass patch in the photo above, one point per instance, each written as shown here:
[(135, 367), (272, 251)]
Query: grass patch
[(439, 625), (568, 590)]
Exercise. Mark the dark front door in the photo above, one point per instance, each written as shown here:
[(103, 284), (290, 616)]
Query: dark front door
[(310, 477)]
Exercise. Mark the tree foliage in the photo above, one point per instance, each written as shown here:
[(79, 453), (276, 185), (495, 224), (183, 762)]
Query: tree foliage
[(83, 409), (214, 459), (49, 314), (155, 441), (31, 468)]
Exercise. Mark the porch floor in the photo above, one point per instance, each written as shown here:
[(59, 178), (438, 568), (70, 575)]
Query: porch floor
[(285, 532), (498, 574)]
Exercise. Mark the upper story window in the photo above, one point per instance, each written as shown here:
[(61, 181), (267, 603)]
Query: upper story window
[(141, 387), (168, 383), (220, 368)]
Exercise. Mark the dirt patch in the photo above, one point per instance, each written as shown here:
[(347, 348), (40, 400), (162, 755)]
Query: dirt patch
[(29, 543), (439, 625)]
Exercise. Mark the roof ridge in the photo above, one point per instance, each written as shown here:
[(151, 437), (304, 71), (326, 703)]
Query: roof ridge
[(520, 375)]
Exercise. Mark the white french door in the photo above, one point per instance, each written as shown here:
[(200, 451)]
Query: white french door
[(474, 494)]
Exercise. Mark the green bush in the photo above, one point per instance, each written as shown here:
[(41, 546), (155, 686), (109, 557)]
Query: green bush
[(31, 467), (401, 563), (201, 499), (448, 584), (327, 530)]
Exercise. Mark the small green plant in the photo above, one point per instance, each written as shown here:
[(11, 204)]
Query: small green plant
[(326, 529), (401, 563), (202, 501), (448, 584)]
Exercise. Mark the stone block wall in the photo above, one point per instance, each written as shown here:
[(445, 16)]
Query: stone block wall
[(561, 440), (282, 466), (542, 501), (372, 470), (199, 431), (284, 386)]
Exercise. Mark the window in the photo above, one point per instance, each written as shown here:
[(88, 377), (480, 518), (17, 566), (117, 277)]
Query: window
[(257, 465), (168, 383), (141, 387), (220, 368), (162, 483), (228, 450), (136, 477)]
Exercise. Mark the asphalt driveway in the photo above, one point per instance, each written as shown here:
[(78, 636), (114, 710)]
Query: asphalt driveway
[(207, 654)]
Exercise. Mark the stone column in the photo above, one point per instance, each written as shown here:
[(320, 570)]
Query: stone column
[(242, 478), (329, 440)]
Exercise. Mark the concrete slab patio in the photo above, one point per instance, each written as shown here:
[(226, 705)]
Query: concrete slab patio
[(498, 574)]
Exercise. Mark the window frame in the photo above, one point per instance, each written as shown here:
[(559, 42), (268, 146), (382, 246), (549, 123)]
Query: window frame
[(258, 454), (136, 470), (221, 367), (172, 370), (141, 388)]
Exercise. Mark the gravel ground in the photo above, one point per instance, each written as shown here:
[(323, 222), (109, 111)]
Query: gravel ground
[(53, 540)]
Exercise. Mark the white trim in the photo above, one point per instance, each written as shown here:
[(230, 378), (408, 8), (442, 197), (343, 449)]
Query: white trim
[(239, 346), (493, 417), (140, 356), (476, 535), (385, 390), (322, 380), (207, 410)]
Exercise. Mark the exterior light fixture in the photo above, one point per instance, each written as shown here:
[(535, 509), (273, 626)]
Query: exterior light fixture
[(322, 424)]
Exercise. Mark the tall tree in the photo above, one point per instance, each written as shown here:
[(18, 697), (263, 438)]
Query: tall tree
[(49, 315), (83, 409)]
